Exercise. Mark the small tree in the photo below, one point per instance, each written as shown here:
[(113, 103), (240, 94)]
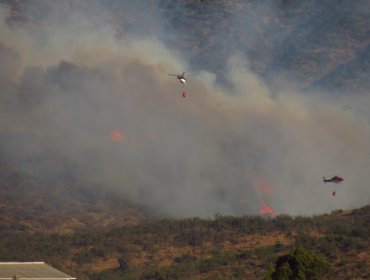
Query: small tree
[(301, 264)]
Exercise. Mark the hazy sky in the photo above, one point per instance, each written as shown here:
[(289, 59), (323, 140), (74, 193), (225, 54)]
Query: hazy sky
[(68, 84)]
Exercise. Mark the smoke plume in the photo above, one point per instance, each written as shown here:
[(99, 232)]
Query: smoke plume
[(71, 82)]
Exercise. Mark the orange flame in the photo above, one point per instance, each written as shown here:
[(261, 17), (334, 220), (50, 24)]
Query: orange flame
[(116, 135), (266, 209)]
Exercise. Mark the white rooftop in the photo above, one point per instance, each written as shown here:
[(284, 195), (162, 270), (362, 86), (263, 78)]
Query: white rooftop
[(31, 271)]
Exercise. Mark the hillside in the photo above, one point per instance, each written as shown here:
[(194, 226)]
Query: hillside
[(107, 171), (57, 114), (220, 248), (304, 40), (33, 203), (311, 42)]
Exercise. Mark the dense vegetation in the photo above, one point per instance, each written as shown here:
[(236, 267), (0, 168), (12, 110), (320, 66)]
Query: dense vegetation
[(220, 248)]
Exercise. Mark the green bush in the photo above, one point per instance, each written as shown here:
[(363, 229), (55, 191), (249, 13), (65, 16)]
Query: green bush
[(301, 264)]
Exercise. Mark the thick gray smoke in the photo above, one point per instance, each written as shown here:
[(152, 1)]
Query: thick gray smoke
[(68, 91)]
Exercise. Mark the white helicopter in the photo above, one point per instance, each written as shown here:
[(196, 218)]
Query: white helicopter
[(181, 77)]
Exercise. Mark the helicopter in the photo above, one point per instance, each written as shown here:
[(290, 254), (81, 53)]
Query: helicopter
[(181, 77), (336, 179)]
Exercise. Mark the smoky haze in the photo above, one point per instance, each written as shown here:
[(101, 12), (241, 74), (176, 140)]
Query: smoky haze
[(70, 83)]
